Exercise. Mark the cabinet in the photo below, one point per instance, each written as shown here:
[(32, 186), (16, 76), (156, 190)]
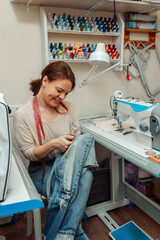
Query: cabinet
[(52, 35), (157, 188)]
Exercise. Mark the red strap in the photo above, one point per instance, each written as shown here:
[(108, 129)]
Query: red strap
[(38, 119), (127, 73), (64, 106), (39, 127)]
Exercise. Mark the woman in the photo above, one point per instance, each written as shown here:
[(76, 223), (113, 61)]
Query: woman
[(45, 127)]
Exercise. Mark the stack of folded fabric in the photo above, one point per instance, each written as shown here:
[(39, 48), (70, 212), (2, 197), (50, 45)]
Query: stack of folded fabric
[(140, 21)]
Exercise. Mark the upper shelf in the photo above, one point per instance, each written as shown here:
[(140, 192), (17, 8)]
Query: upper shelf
[(108, 6), (109, 34)]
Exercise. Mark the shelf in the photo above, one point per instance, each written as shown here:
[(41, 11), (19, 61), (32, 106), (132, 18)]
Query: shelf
[(83, 32), (80, 60), (142, 30), (121, 5), (151, 37)]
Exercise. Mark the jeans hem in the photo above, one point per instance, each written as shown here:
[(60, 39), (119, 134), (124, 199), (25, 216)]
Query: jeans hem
[(66, 232), (82, 236), (66, 236)]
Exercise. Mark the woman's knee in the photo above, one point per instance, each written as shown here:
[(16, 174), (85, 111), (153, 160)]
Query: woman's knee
[(86, 179)]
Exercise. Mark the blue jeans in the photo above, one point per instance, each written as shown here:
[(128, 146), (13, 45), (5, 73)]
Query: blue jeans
[(71, 222)]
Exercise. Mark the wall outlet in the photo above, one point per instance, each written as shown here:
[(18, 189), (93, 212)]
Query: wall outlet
[(13, 108)]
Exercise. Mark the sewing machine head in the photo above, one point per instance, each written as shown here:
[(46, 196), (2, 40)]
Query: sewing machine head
[(146, 116)]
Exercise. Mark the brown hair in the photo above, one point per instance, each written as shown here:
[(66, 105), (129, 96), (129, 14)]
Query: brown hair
[(54, 71)]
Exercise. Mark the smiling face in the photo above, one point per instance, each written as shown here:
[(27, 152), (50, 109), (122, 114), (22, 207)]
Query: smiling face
[(55, 91)]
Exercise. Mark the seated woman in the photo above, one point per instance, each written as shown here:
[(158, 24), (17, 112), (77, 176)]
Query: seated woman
[(47, 132)]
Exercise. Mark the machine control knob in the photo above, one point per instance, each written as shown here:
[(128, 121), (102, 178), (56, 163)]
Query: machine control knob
[(143, 126)]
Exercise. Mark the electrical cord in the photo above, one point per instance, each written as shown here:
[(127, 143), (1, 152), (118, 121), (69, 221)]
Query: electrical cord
[(132, 60), (133, 86), (110, 102), (143, 78), (115, 17)]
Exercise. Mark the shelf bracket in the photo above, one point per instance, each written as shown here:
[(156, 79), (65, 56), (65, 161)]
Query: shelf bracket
[(88, 78), (28, 4), (93, 8)]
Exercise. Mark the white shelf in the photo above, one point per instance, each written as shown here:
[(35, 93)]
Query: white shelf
[(111, 34), (121, 5), (80, 60), (115, 38)]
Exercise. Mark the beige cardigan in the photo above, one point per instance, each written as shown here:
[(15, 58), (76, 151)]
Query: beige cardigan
[(25, 129)]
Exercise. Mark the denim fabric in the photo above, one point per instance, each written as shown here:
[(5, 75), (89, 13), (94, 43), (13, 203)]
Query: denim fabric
[(35, 172), (69, 185), (70, 165)]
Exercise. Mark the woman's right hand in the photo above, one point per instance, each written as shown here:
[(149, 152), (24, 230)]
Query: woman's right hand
[(62, 143)]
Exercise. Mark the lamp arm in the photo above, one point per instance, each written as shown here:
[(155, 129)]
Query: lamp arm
[(98, 74), (88, 74)]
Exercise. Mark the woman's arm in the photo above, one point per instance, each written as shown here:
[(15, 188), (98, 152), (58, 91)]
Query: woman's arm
[(61, 143), (26, 135)]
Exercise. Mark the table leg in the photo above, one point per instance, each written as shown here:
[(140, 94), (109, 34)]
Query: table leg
[(37, 224), (29, 223), (2, 237)]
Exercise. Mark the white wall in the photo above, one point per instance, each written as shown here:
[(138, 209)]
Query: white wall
[(21, 61), (20, 50)]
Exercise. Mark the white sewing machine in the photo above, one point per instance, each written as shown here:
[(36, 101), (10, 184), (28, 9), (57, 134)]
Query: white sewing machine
[(145, 115)]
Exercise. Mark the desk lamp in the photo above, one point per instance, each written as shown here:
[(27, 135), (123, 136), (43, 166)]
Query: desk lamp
[(99, 58)]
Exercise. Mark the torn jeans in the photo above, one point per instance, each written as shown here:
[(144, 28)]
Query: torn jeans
[(68, 188), (68, 183)]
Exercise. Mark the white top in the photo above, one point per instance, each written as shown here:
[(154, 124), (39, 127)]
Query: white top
[(25, 128)]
